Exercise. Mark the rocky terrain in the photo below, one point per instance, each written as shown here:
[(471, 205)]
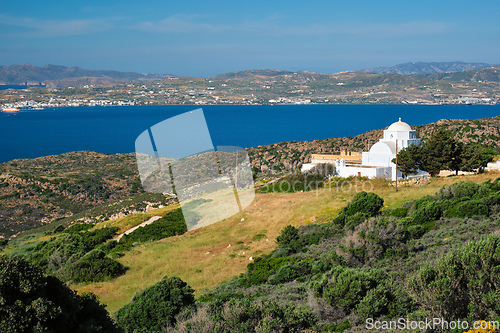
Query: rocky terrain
[(90, 187), (291, 155)]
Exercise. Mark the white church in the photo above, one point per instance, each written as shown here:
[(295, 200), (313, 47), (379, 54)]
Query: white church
[(376, 163)]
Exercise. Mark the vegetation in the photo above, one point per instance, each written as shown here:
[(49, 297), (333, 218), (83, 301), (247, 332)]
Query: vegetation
[(154, 309), (442, 152), (382, 255), (367, 262), (295, 182), (67, 188), (31, 301), (171, 224), (338, 275), (77, 256)]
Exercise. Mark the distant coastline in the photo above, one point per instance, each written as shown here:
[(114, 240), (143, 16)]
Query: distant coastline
[(272, 87), (111, 130)]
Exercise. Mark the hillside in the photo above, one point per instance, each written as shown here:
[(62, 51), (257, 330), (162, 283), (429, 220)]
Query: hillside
[(290, 155), (68, 187), (419, 67), (62, 76), (91, 187), (255, 73), (242, 269), (254, 87)]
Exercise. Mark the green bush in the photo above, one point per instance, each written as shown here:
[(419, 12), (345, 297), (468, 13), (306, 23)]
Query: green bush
[(30, 301), (374, 304), (58, 252), (289, 239), (295, 182), (244, 316), (463, 284), (155, 308), (426, 212), (458, 190), (367, 203), (169, 225), (93, 267), (415, 231), (349, 287), (469, 208), (290, 272), (352, 221), (259, 271), (399, 212)]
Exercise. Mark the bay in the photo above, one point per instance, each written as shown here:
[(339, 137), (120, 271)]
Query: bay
[(34, 133)]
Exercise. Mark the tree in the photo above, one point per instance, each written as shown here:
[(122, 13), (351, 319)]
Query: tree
[(409, 160), (363, 205), (154, 309), (441, 151), (31, 301), (470, 158)]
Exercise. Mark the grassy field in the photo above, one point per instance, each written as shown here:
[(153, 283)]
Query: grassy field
[(204, 257)]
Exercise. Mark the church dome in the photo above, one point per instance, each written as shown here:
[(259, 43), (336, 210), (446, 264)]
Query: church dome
[(399, 126)]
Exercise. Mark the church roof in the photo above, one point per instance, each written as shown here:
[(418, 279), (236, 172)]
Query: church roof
[(399, 126), (384, 147)]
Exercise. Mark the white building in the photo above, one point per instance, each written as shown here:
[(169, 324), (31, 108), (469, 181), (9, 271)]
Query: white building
[(376, 163)]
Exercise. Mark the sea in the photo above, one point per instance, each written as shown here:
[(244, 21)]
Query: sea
[(114, 129)]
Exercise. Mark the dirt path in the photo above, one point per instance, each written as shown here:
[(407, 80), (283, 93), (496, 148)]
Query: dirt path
[(151, 220)]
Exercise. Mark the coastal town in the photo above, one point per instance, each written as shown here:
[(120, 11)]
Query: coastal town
[(258, 87)]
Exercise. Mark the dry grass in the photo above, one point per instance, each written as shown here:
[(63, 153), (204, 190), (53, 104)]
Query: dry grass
[(201, 257)]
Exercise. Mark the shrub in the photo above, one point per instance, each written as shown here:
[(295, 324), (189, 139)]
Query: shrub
[(463, 284), (261, 269), (458, 190), (355, 220), (155, 308), (34, 302), (94, 267), (257, 237), (399, 212), (374, 303), (469, 208), (244, 315), (169, 225), (291, 272), (59, 252), (364, 202), (349, 287), (426, 212), (295, 182), (367, 203), (289, 239)]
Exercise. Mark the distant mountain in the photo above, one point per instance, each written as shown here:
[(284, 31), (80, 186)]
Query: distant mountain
[(252, 73), (410, 68), (54, 75), (489, 74)]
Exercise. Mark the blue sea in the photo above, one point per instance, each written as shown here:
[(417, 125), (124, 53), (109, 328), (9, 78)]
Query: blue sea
[(111, 130)]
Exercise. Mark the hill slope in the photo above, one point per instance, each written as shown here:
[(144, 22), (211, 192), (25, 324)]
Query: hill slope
[(85, 185), (61, 76), (419, 67)]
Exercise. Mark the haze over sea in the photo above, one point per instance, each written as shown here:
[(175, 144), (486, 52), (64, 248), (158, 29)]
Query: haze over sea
[(111, 130)]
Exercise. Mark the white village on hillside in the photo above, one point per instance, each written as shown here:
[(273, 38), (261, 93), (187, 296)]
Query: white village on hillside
[(376, 163)]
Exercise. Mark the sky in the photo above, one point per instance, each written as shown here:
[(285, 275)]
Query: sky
[(204, 38)]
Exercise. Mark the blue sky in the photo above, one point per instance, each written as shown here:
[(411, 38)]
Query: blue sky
[(203, 38)]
